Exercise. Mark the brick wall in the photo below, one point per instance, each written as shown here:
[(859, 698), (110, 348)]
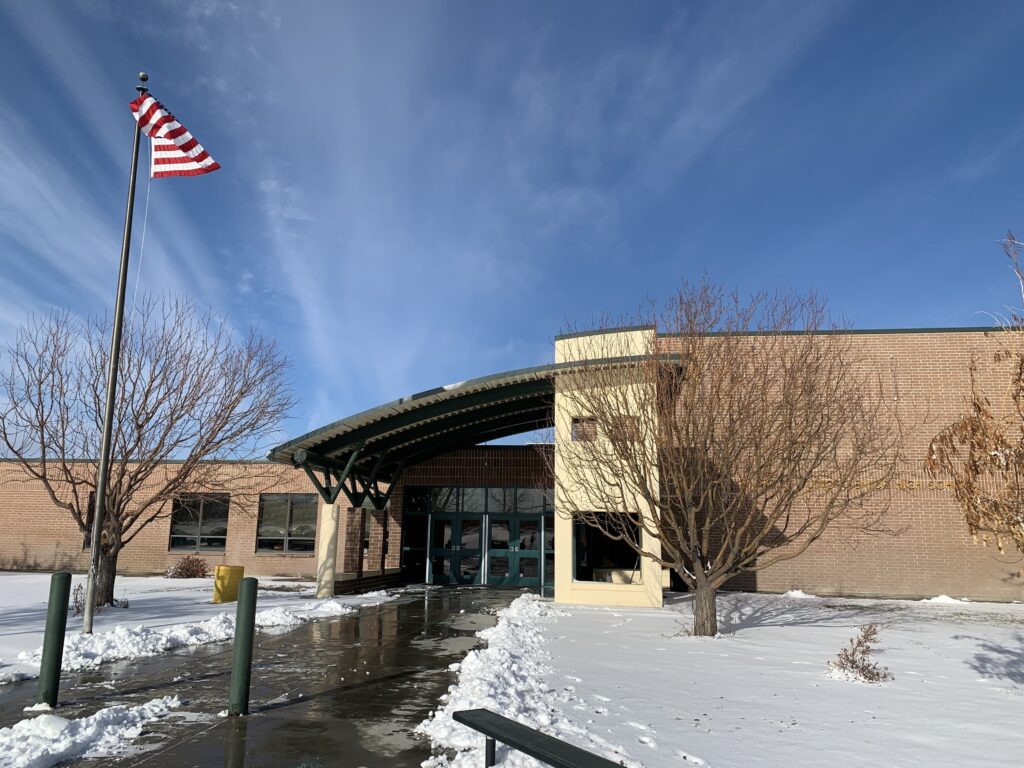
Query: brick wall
[(927, 375), (37, 535)]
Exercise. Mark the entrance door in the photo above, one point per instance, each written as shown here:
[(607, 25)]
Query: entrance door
[(514, 550), (455, 550), (500, 557), (527, 545), (469, 550)]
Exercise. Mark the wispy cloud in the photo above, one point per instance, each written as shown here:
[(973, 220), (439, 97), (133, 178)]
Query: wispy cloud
[(419, 198)]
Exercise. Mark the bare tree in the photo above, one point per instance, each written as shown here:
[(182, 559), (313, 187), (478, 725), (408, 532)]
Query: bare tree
[(982, 452), (192, 394), (740, 434)]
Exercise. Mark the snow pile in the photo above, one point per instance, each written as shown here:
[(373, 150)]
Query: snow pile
[(46, 740), (89, 651), (8, 675), (509, 677), (944, 600), (799, 594)]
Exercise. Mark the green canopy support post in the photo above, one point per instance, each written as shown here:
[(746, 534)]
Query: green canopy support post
[(53, 639)]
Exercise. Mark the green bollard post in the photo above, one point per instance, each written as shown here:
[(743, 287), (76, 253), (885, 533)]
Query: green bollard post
[(245, 631), (53, 639)]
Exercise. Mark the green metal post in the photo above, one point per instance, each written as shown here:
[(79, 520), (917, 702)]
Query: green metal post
[(234, 754), (53, 639), (245, 632)]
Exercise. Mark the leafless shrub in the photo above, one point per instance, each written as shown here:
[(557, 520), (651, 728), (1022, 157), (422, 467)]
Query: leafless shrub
[(189, 567), (78, 601), (855, 662)]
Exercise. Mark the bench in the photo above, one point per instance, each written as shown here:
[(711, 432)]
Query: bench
[(547, 749)]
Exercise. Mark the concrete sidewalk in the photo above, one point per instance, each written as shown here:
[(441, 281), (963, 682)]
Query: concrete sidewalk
[(345, 691)]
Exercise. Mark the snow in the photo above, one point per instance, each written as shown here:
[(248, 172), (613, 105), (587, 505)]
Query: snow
[(162, 615), (508, 676), (47, 739), (944, 600), (798, 594), (631, 685)]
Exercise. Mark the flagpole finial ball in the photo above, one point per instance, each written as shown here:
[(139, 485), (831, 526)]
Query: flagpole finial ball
[(143, 77)]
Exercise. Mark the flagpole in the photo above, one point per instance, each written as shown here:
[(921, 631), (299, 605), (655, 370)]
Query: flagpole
[(108, 416)]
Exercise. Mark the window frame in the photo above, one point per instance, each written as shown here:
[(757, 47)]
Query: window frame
[(583, 429), (287, 538), (593, 532), (202, 498)]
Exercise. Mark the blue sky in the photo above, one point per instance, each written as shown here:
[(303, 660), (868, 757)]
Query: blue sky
[(419, 193)]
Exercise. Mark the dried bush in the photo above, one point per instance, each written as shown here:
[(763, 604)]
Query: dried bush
[(982, 453), (855, 663), (78, 601), (189, 567)]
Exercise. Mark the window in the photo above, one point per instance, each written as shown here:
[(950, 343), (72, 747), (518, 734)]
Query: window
[(287, 523), (628, 426), (199, 522), (583, 430), (501, 501), (417, 501), (531, 500), (474, 501), (444, 499), (600, 558)]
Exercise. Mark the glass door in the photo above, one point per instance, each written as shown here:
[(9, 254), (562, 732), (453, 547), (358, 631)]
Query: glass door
[(527, 548), (499, 551), (466, 564), (455, 549), (442, 548)]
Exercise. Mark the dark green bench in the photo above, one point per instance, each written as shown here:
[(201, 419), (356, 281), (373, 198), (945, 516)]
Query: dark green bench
[(547, 749)]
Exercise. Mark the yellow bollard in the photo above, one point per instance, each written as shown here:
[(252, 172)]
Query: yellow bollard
[(226, 579)]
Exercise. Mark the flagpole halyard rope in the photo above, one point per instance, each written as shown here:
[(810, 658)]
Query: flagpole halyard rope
[(142, 244)]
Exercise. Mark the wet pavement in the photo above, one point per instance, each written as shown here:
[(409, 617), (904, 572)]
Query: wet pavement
[(340, 692)]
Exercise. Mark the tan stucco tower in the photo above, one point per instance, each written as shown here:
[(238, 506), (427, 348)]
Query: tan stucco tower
[(646, 587)]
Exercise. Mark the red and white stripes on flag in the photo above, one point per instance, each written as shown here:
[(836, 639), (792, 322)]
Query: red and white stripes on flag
[(175, 151)]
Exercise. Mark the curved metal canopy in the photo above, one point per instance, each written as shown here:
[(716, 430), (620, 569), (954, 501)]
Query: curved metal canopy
[(375, 445), (371, 448), (380, 441)]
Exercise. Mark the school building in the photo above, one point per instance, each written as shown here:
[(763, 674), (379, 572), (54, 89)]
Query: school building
[(409, 491)]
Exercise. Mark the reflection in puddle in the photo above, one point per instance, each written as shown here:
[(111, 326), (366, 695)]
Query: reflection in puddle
[(349, 690)]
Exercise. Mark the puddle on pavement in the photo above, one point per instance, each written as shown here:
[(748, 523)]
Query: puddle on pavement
[(341, 692)]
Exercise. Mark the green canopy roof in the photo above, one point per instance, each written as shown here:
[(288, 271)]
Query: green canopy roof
[(415, 428)]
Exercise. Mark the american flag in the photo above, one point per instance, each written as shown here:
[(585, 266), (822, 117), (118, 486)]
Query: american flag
[(175, 151)]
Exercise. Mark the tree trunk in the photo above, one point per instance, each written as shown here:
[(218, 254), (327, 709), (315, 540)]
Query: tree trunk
[(105, 576), (705, 610)]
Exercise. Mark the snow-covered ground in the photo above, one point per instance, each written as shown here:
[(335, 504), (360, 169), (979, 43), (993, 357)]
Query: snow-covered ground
[(49, 739), (631, 684), (162, 614)]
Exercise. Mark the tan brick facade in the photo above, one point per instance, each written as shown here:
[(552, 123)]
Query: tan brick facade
[(39, 536), (927, 373)]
